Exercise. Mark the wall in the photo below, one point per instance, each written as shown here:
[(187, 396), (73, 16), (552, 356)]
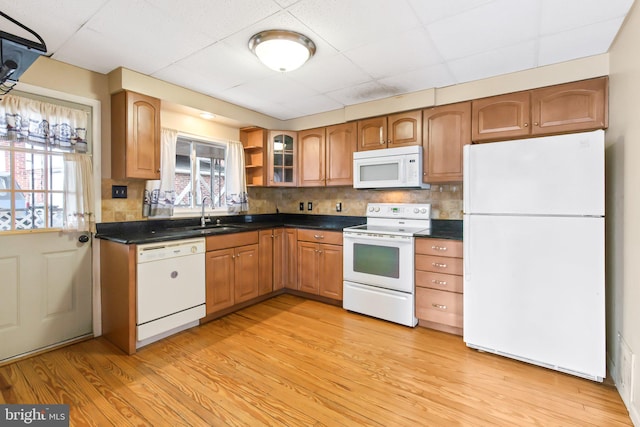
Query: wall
[(622, 213), (446, 200)]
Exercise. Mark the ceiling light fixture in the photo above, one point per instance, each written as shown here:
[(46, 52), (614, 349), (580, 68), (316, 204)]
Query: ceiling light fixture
[(282, 50)]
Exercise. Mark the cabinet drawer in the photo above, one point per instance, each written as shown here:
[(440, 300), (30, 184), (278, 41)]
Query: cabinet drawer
[(439, 264), (232, 240), (320, 236), (439, 247), (440, 281), (439, 307)]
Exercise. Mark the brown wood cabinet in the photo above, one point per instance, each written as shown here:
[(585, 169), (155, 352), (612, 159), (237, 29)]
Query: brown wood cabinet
[(271, 260), (282, 162), (570, 107), (447, 129), (395, 130), (232, 269), (118, 294), (439, 284), (320, 263), (325, 155), (254, 141), (290, 258), (135, 136)]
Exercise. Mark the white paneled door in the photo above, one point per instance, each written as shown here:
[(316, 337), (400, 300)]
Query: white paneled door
[(45, 290)]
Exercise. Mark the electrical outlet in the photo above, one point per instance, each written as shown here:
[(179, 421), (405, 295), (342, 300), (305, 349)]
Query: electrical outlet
[(309, 206), (118, 191), (339, 207), (301, 206)]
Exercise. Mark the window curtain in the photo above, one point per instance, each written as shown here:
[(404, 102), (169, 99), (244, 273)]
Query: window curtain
[(236, 178), (53, 126), (160, 195), (78, 193)]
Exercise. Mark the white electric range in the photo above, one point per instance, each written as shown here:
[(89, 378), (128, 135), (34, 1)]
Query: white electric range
[(379, 261)]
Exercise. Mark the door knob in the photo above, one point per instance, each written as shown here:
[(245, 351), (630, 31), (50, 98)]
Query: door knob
[(83, 238)]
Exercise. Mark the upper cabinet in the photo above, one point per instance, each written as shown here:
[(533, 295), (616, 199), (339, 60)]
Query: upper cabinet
[(135, 136), (570, 107), (325, 155), (254, 141), (282, 159), (447, 129), (396, 130)]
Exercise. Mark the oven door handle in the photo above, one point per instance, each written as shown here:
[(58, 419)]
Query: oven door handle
[(399, 240)]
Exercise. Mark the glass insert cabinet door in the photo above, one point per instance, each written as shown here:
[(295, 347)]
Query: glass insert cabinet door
[(282, 158)]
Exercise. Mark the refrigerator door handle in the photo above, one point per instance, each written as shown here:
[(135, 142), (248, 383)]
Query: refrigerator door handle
[(465, 178)]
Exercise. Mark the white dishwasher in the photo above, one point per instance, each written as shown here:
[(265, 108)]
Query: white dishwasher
[(170, 291)]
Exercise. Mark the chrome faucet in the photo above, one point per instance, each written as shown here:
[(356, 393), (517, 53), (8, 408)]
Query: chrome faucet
[(203, 220)]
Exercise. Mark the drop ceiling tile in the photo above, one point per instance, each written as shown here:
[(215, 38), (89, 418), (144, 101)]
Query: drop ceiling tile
[(330, 73), (500, 61), (123, 21), (364, 92), (218, 18), (398, 53), (557, 16), (579, 43), (485, 28), (305, 106), (349, 24), (63, 19), (277, 89), (435, 10), (221, 65), (433, 76)]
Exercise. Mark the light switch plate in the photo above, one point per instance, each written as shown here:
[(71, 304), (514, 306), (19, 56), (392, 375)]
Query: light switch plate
[(118, 191)]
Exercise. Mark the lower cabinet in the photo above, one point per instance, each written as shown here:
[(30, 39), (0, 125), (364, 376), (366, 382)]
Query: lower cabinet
[(320, 263), (439, 284), (232, 270), (271, 260)]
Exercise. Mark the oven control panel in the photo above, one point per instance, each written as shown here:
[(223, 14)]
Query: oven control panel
[(399, 210)]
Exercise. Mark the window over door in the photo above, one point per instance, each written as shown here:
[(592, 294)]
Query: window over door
[(34, 135)]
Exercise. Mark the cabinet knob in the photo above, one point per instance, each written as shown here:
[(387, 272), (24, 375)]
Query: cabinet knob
[(526, 125), (382, 142), (535, 123)]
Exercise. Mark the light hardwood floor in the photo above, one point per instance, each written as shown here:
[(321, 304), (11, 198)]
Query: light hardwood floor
[(292, 362)]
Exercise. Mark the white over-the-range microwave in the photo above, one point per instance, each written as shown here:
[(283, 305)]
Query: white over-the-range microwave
[(389, 168)]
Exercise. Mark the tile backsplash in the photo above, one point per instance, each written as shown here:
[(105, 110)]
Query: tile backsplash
[(446, 200)]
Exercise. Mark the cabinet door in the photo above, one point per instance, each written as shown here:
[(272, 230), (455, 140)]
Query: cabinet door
[(571, 107), (501, 117), (404, 129), (311, 158), (341, 143), (282, 159), (219, 279), (446, 130), (278, 258), (308, 267), (291, 258), (265, 261), (330, 271), (246, 273), (372, 133), (135, 129)]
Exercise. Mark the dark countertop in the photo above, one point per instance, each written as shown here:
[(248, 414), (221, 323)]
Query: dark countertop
[(444, 229), (138, 232), (152, 231)]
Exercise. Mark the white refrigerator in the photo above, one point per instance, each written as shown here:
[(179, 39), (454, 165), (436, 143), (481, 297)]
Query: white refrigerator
[(534, 251)]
